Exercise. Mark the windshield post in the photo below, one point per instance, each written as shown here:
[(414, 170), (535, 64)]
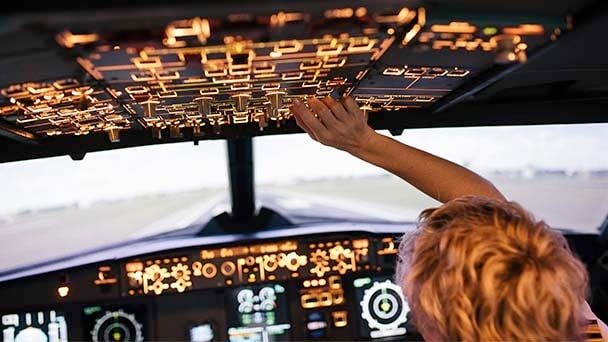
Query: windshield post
[(240, 168)]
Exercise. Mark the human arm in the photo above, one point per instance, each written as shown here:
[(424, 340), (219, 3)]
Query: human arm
[(341, 124)]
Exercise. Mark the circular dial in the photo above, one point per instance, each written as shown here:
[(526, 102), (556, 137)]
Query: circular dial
[(117, 326), (31, 334), (383, 306)]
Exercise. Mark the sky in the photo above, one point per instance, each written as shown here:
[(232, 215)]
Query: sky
[(177, 167)]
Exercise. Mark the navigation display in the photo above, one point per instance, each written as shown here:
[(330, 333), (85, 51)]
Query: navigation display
[(114, 323), (382, 307), (258, 313)]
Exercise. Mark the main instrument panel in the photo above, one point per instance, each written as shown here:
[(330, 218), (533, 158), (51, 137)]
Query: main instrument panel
[(309, 287), (193, 77)]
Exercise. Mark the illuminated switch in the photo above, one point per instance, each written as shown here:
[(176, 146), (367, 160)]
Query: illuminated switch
[(63, 291), (105, 276), (203, 104), (69, 40), (340, 318), (316, 325), (507, 51), (9, 110), (201, 333)]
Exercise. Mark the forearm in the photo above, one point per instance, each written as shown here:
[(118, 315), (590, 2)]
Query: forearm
[(435, 176), (344, 126)]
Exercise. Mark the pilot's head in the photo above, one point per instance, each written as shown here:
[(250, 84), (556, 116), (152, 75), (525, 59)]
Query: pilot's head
[(481, 269)]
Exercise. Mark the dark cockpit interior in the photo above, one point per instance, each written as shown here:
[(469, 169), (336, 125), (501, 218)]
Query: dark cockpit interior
[(81, 78)]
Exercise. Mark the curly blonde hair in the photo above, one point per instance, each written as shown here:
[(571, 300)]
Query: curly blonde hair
[(483, 269)]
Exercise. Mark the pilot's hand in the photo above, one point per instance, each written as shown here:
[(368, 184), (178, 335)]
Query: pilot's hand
[(340, 124)]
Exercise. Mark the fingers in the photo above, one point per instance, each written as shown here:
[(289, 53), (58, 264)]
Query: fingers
[(302, 125), (324, 113), (298, 120), (334, 122), (309, 122), (337, 108), (351, 106)]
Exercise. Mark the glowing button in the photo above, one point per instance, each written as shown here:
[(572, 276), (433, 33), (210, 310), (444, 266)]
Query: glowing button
[(63, 291), (490, 31)]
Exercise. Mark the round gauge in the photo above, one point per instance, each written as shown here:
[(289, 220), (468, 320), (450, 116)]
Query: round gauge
[(267, 305), (267, 293), (117, 326), (383, 306), (246, 307), (245, 295)]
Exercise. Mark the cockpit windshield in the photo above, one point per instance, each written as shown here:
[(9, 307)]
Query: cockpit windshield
[(56, 207)]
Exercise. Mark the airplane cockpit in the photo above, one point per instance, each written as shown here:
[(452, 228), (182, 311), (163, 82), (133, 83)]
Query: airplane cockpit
[(158, 188)]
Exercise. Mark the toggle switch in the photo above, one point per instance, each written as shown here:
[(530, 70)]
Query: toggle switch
[(157, 133), (272, 113), (175, 132), (113, 134), (261, 118), (196, 130)]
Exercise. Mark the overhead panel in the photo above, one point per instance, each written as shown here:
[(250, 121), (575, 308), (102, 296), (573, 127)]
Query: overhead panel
[(199, 75)]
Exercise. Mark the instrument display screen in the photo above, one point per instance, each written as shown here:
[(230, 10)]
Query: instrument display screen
[(258, 313), (36, 326)]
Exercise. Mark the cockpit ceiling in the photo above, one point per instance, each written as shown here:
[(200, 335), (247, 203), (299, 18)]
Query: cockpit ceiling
[(203, 77)]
